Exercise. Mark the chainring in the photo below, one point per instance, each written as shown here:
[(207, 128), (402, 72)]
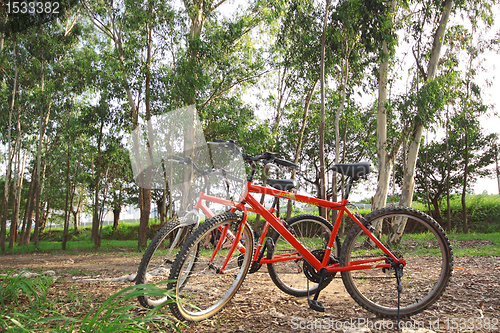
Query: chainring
[(312, 274)]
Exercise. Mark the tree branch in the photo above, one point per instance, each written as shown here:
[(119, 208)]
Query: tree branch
[(217, 93)]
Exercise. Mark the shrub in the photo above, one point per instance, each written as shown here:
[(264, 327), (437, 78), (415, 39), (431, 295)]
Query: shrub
[(483, 212)]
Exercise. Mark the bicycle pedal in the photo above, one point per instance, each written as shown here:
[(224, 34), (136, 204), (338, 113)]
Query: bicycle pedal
[(316, 305)]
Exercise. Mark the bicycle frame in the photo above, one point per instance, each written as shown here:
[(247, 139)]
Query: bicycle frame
[(302, 251)]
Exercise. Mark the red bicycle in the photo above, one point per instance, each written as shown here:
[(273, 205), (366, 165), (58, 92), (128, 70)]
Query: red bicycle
[(158, 258), (394, 262)]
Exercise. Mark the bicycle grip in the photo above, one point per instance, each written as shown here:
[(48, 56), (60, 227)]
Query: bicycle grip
[(176, 158), (285, 163)]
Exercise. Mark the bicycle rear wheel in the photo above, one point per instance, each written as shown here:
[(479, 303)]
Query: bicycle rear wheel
[(159, 256), (291, 276), (412, 236), (201, 288)]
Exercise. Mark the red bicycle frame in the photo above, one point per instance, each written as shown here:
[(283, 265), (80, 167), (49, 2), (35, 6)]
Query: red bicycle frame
[(302, 252)]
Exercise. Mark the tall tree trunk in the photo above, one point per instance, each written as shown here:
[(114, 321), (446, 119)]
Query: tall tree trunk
[(68, 189), (42, 187), (116, 217), (45, 213), (146, 192), (415, 138), (464, 187), (42, 125), (18, 184), (30, 204), (115, 33), (298, 148), (409, 170), (10, 156), (343, 87), (322, 167), (416, 135), (163, 208), (385, 157), (76, 212), (26, 213), (96, 235), (448, 172)]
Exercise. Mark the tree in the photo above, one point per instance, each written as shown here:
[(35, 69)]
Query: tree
[(432, 163), (322, 167)]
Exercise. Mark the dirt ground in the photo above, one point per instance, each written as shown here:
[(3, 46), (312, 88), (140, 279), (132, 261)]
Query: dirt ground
[(470, 304)]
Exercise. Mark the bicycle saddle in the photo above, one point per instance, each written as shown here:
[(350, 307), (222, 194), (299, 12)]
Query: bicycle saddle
[(282, 184), (354, 170)]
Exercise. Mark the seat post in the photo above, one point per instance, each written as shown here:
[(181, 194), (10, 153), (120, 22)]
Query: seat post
[(348, 188)]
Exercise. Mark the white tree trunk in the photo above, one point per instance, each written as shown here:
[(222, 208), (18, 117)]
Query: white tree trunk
[(322, 167), (409, 173), (301, 137), (10, 156), (385, 159)]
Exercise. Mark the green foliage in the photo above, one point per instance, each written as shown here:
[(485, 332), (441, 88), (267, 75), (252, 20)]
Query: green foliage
[(116, 313), (466, 141), (13, 288), (155, 56), (483, 212), (475, 244)]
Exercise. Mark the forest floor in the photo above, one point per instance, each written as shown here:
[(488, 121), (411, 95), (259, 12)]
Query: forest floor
[(471, 302)]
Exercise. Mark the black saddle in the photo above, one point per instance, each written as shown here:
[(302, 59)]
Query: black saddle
[(354, 170), (282, 184)]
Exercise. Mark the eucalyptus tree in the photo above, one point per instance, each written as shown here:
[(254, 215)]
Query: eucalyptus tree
[(293, 62), (126, 43), (10, 156), (353, 29), (467, 105), (425, 26), (39, 53), (166, 58), (470, 151), (347, 58), (386, 155)]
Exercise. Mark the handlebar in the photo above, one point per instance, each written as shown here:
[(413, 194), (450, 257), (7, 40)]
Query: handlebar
[(268, 157), (220, 172)]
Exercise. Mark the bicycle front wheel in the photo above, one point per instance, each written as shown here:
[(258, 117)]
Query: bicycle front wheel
[(410, 235), (159, 256), (292, 276), (202, 285)]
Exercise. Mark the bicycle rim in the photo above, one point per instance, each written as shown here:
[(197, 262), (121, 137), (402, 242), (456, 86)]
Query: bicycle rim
[(201, 288), (412, 236)]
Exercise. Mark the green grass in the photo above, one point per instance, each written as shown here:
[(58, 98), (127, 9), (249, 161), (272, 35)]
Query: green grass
[(24, 307), (74, 247), (466, 245)]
